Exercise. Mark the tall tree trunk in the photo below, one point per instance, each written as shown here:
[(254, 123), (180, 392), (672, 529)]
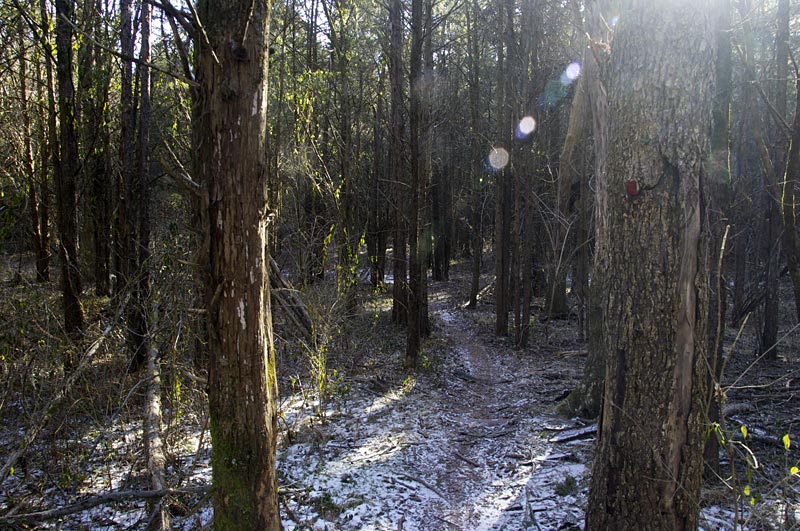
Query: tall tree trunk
[(92, 98), (769, 337), (397, 168), (416, 266), (476, 157), (376, 223), (567, 173), (66, 175), (426, 166), (48, 148), (123, 230), (232, 60), (37, 194), (504, 177), (648, 468), (138, 329)]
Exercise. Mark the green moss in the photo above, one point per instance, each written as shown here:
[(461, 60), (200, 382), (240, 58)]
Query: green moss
[(234, 502)]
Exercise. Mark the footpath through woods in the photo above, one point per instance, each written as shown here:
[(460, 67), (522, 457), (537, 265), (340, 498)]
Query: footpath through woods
[(470, 441), (465, 444)]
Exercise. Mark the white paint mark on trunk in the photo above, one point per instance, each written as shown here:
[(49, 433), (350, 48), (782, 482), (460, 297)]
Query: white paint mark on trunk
[(240, 311)]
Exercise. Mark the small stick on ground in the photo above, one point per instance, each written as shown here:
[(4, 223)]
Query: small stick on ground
[(424, 484), (467, 460)]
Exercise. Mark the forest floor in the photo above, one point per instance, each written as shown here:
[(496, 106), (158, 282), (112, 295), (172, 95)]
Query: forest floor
[(470, 441)]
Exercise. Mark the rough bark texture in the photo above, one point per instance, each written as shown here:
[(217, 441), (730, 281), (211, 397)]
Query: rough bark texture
[(36, 180), (648, 468), (123, 230), (66, 175), (48, 142), (231, 132), (154, 443)]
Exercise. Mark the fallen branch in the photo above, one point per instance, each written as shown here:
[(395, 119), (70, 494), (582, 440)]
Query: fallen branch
[(424, 484), (467, 460), (101, 499), (574, 435), (154, 444), (33, 432), (286, 299)]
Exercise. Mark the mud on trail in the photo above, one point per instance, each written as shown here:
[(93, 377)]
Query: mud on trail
[(465, 445)]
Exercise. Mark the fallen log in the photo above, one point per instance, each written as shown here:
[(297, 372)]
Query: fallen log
[(575, 434), (154, 444), (94, 501)]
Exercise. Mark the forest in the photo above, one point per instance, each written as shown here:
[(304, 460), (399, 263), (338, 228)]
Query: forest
[(399, 265)]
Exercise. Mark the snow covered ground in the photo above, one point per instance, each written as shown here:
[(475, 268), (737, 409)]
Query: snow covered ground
[(471, 444)]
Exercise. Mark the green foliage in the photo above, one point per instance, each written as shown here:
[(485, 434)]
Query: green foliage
[(567, 487), (325, 506)]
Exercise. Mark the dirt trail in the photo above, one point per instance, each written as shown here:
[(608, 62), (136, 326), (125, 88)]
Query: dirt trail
[(466, 447), (498, 415)]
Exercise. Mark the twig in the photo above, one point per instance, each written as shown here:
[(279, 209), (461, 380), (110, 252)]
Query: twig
[(33, 432), (289, 511), (467, 460), (126, 57), (107, 497), (424, 484), (448, 522)]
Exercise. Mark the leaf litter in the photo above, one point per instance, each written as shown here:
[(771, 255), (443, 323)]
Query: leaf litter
[(472, 444)]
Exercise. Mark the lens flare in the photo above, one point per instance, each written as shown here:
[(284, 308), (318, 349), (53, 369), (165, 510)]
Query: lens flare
[(498, 158), (613, 21), (525, 127), (573, 71), (570, 73)]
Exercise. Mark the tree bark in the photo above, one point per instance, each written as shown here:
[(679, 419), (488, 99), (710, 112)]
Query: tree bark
[(477, 171), (154, 443), (648, 467), (138, 329), (66, 175), (397, 168), (231, 131), (37, 185), (565, 221), (416, 266), (504, 177), (777, 155), (123, 230)]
